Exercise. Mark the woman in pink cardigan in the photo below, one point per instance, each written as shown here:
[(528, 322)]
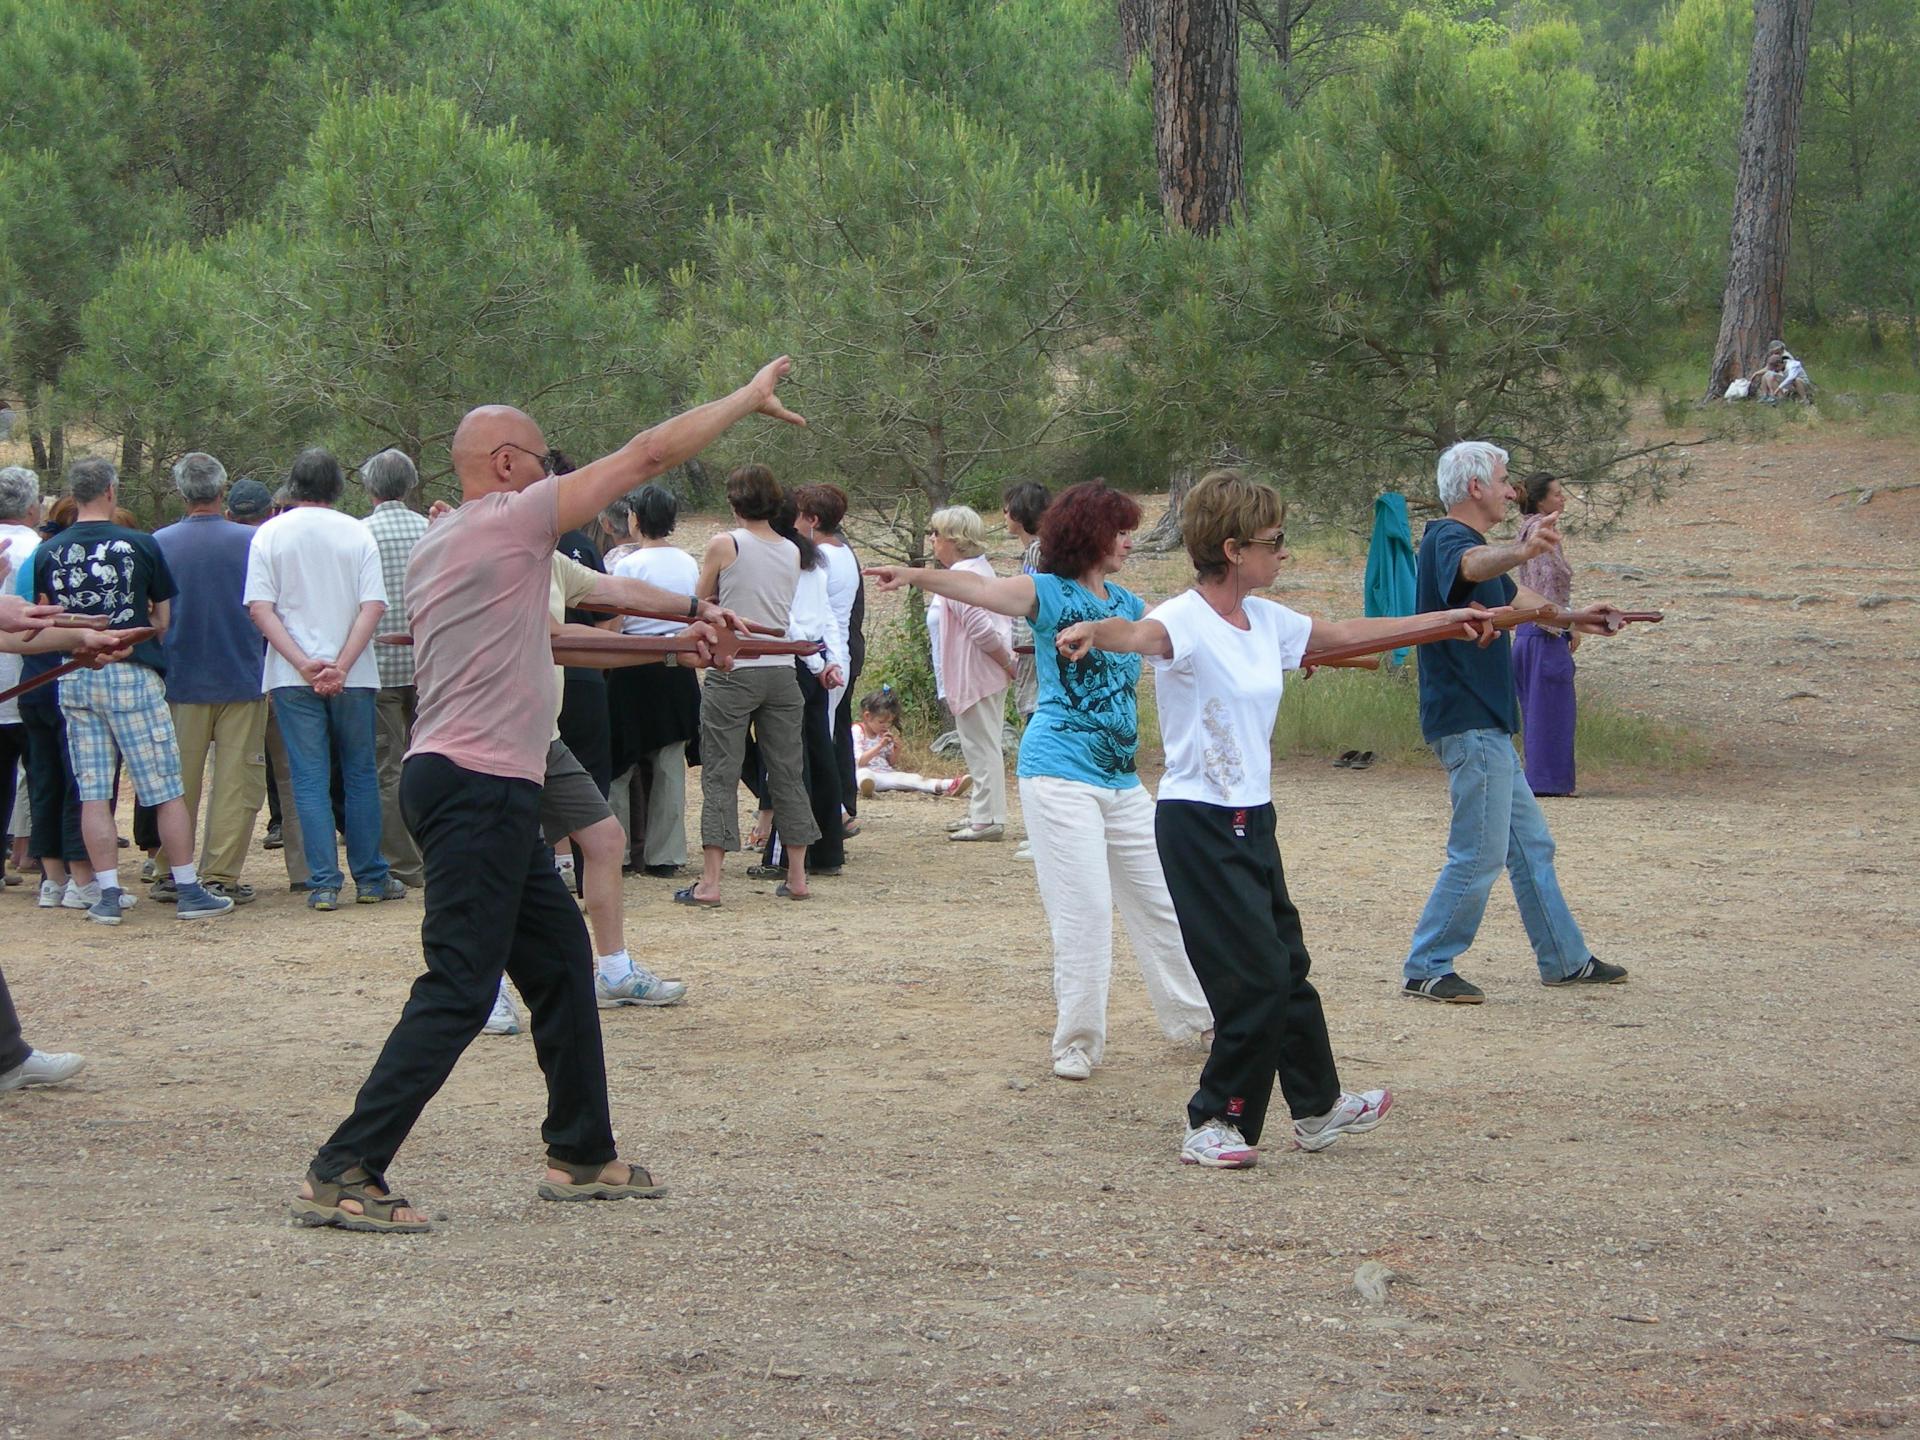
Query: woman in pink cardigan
[(977, 665)]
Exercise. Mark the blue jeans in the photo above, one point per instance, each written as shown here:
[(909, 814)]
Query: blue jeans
[(315, 731), (1496, 822)]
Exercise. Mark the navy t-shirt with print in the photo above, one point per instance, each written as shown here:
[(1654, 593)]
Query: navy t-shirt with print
[(1462, 687), (1085, 725), (95, 567)]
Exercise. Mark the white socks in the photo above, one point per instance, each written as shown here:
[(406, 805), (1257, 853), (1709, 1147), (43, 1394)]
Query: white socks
[(107, 879), (615, 967), (185, 875)]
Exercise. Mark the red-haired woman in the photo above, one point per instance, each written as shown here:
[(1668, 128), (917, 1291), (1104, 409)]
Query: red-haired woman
[(1089, 817)]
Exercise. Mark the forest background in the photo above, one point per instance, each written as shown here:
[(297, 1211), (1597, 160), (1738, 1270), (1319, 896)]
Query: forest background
[(247, 226)]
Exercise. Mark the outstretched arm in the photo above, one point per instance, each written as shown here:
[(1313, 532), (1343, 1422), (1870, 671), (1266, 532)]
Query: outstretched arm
[(1327, 634), (1124, 637), (1483, 562), (590, 489), (1003, 594), (633, 593)]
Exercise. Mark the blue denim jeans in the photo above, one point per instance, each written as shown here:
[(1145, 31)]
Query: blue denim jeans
[(1496, 822), (316, 731)]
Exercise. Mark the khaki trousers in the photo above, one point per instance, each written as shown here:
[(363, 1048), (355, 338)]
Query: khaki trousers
[(237, 734), (767, 697), (393, 715)]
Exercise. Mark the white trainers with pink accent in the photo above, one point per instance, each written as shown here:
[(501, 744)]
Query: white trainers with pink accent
[(1218, 1146), (1351, 1115)]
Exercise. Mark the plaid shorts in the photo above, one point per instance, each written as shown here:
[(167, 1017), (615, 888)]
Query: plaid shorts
[(121, 708)]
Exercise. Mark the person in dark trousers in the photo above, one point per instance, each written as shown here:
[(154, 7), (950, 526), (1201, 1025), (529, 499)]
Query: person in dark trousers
[(822, 510), (1219, 654), (478, 587)]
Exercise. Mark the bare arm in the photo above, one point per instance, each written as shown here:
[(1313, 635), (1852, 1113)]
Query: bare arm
[(59, 638), (1326, 634), (719, 554), (590, 489), (1003, 594), (23, 616), (644, 595), (364, 624), (1483, 562), (160, 615), (1123, 637)]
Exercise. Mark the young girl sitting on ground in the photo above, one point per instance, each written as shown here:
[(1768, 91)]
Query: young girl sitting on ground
[(873, 747)]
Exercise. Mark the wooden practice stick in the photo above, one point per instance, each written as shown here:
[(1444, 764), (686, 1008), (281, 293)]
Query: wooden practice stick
[(134, 637), (752, 627)]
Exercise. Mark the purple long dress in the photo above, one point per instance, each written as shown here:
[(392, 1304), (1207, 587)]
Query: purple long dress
[(1543, 675)]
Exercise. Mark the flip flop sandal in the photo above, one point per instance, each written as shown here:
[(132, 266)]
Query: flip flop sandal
[(324, 1208), (687, 897), (586, 1184), (786, 894), (1362, 760), (1347, 757)]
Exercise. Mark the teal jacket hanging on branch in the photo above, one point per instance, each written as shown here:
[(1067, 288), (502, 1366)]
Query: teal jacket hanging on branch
[(1390, 562)]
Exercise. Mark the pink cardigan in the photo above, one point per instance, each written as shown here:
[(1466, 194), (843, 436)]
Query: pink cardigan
[(976, 646)]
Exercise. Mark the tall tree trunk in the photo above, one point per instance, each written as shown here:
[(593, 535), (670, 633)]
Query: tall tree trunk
[(131, 448), (1136, 33), (56, 475), (48, 481), (1751, 310), (1167, 532), (1196, 111)]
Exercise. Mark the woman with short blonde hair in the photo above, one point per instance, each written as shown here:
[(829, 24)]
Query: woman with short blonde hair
[(963, 526)]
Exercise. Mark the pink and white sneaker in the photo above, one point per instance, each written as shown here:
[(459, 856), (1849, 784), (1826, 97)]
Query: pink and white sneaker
[(1351, 1115), (1218, 1145)]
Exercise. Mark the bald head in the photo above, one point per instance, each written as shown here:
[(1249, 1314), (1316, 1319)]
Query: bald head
[(481, 462)]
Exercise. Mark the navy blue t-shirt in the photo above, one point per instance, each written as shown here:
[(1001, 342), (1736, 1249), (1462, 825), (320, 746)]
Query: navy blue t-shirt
[(95, 567), (214, 651), (1462, 687)]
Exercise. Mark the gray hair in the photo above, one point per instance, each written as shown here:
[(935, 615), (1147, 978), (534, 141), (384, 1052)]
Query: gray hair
[(199, 478), (390, 475), (19, 492), (91, 480), (1462, 464)]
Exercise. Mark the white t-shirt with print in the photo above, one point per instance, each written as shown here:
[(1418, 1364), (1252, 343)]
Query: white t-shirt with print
[(317, 567), (1219, 695)]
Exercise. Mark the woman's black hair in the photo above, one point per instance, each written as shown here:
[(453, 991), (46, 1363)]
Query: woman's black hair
[(1533, 490), (786, 524), (656, 511), (1026, 501), (881, 702)]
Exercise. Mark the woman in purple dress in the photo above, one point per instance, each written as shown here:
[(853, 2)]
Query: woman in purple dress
[(1543, 655)]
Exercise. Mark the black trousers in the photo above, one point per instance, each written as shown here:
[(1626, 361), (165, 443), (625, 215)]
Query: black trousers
[(13, 754), (493, 902), (50, 789), (13, 1050), (820, 773), (843, 751), (1243, 936), (586, 725)]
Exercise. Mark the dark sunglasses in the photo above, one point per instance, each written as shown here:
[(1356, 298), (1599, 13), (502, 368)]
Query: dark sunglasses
[(545, 458), (1276, 544)]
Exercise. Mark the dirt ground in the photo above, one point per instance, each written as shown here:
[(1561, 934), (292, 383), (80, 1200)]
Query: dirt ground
[(1686, 1206)]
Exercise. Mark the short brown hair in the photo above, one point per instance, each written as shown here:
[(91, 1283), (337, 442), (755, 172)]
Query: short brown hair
[(753, 493), (1225, 506), (826, 503)]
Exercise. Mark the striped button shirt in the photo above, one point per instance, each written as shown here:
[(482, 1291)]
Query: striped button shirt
[(396, 530)]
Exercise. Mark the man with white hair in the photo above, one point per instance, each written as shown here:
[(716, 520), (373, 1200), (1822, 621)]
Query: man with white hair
[(396, 527), (1469, 714), (214, 657)]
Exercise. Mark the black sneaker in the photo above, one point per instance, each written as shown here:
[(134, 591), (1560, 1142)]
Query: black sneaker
[(1449, 989), (1595, 972), (273, 840), (766, 872), (668, 872)]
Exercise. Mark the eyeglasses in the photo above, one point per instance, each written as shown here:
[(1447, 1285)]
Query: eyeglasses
[(1276, 544), (545, 458)]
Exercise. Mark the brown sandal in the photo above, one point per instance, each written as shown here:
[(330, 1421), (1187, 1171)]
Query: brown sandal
[(587, 1184), (377, 1211)]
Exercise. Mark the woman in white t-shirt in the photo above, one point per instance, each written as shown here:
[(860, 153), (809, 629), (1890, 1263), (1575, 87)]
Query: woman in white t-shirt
[(1219, 654), (655, 708)]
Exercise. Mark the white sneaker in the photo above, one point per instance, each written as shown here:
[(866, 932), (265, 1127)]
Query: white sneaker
[(1074, 1065), (505, 1020), (1024, 851), (40, 1068), (85, 897), (641, 987), (1218, 1146), (50, 892), (1351, 1115)]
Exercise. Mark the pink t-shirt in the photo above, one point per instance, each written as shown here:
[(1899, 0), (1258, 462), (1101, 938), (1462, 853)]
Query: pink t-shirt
[(477, 590)]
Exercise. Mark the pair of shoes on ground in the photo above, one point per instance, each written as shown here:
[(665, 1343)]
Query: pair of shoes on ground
[(40, 1068), (1219, 1145), (641, 987), (191, 902), (84, 897), (1452, 989), (379, 1209), (1354, 760), (327, 898)]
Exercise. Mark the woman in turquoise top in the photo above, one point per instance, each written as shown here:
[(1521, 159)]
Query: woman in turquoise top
[(1089, 818)]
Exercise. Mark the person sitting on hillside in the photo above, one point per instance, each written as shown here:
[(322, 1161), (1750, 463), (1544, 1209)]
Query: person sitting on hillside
[(1782, 377)]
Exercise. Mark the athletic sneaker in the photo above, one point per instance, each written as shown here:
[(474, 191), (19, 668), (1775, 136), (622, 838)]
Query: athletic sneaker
[(323, 899), (50, 892), (1218, 1146), (40, 1068), (1595, 972), (1074, 1065), (1351, 1115), (1025, 851), (199, 903), (85, 897), (642, 987), (505, 1020), (1449, 988), (239, 893), (107, 909), (757, 871), (390, 889)]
